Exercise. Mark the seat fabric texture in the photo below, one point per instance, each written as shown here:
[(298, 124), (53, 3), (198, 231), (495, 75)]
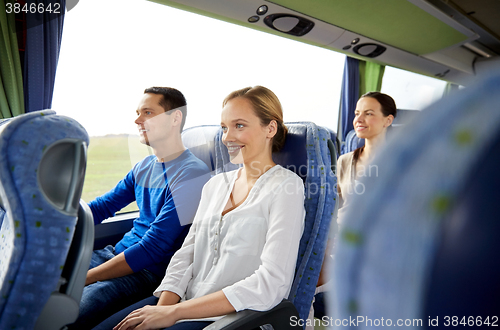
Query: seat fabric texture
[(320, 199), (352, 142), (35, 235)]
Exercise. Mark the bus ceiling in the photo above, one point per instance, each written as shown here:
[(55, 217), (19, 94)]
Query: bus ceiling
[(438, 38)]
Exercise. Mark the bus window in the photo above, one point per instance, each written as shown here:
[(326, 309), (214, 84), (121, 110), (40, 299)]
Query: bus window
[(145, 44), (410, 90)]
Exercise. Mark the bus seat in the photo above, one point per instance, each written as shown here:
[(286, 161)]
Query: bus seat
[(352, 142), (2, 213), (205, 142), (41, 178), (60, 309), (423, 243), (310, 152), (199, 140), (401, 122), (405, 116)]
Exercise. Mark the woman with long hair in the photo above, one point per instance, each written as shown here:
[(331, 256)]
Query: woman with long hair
[(374, 113)]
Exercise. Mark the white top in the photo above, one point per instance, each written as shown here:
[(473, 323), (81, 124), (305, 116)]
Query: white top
[(249, 253)]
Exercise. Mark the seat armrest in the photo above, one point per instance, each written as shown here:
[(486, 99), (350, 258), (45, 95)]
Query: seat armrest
[(59, 311), (280, 317), (111, 231), (79, 255)]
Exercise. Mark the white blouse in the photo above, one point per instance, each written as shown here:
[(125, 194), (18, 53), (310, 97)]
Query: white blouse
[(249, 253)]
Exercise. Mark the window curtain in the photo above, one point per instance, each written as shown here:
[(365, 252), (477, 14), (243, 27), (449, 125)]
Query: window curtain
[(349, 96), (11, 78), (359, 78), (370, 77), (43, 42)]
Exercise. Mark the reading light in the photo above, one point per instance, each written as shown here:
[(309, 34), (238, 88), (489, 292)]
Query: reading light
[(253, 19), (262, 10)]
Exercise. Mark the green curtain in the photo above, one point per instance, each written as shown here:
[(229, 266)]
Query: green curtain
[(370, 77), (11, 78)]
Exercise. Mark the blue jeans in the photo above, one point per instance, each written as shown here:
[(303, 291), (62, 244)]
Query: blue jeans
[(191, 325), (104, 298)]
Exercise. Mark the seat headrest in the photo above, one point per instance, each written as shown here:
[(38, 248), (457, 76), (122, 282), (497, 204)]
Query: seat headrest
[(293, 156), (200, 140), (44, 153), (464, 279), (405, 116), (61, 172)]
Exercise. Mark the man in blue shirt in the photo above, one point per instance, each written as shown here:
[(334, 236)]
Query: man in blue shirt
[(167, 188)]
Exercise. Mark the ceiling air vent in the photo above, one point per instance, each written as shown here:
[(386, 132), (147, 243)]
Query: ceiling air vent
[(291, 24), (369, 50)]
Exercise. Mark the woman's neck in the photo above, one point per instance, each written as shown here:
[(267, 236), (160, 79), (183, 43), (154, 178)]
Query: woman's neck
[(372, 145), (254, 169)]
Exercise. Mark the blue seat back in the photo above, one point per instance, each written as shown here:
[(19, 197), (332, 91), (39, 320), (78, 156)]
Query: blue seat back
[(2, 213), (41, 178), (423, 240), (206, 144), (352, 142), (465, 272), (320, 201)]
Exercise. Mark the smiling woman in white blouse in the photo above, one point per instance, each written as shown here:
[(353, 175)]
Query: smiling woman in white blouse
[(241, 250)]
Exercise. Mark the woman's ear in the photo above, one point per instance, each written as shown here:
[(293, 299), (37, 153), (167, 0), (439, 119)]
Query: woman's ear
[(272, 129), (389, 119)]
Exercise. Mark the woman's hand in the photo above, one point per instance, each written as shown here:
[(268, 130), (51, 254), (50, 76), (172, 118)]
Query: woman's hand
[(149, 317), (159, 317)]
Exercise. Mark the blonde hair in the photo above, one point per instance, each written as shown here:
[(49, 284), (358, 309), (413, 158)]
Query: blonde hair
[(267, 107)]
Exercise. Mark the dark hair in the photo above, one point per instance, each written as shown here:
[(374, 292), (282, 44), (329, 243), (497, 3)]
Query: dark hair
[(388, 107), (267, 107), (386, 102), (172, 100)]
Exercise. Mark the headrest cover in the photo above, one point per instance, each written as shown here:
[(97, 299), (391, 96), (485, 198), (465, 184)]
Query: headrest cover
[(61, 172)]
